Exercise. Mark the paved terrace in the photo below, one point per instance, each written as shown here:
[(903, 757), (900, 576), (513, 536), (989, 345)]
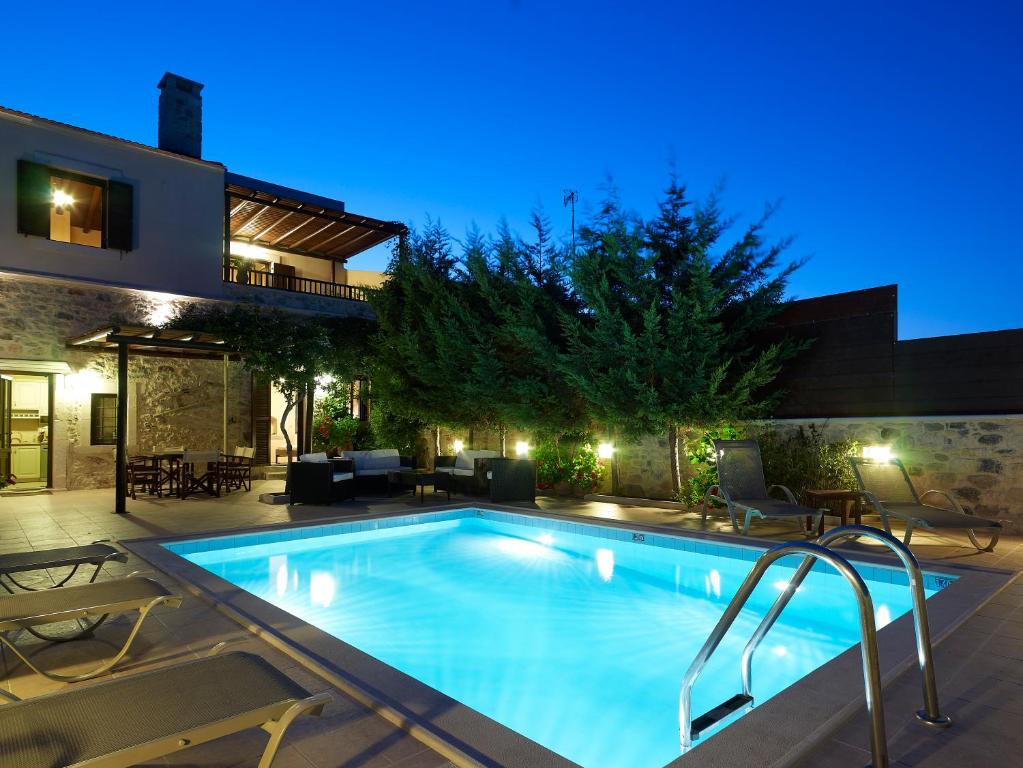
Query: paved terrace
[(979, 666)]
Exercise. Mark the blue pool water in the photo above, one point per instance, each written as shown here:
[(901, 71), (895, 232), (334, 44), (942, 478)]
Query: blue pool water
[(564, 633)]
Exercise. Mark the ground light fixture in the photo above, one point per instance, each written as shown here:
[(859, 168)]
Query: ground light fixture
[(878, 452), (522, 449), (605, 450)]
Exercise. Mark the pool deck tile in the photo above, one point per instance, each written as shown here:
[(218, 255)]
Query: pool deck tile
[(980, 665)]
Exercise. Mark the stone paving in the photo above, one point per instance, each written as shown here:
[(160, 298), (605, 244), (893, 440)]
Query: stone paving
[(980, 666)]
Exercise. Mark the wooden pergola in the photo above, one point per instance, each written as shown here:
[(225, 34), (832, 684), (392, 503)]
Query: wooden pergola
[(154, 342)]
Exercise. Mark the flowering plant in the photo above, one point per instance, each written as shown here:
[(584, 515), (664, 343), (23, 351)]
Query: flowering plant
[(587, 469)]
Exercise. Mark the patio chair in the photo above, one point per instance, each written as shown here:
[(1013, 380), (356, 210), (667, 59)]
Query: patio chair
[(96, 554), (200, 471), (743, 490), (318, 479), (236, 468), (886, 485), (29, 610), (140, 718), (143, 475)]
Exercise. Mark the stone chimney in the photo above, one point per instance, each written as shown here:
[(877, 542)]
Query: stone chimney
[(180, 127)]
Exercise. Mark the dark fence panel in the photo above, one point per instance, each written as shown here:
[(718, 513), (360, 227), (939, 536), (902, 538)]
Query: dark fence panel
[(856, 367)]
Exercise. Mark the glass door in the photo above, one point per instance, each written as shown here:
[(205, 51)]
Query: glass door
[(5, 427)]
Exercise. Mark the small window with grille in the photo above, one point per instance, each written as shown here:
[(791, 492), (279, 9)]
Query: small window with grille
[(103, 429)]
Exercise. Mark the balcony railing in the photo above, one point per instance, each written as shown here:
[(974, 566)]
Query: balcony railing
[(294, 284)]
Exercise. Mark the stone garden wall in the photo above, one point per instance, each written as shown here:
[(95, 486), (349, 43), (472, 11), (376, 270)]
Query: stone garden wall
[(172, 401), (979, 459)]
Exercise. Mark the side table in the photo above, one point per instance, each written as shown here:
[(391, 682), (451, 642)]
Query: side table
[(838, 501)]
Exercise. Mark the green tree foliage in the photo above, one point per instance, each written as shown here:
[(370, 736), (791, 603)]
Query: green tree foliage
[(668, 335), (289, 350)]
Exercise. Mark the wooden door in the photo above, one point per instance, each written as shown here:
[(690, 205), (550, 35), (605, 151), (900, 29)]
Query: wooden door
[(260, 422)]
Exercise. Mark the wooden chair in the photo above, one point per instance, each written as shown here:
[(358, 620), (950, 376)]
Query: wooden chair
[(200, 470), (236, 468), (143, 475)]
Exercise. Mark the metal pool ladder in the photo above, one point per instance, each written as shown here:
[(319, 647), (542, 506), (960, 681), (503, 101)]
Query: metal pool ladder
[(691, 729)]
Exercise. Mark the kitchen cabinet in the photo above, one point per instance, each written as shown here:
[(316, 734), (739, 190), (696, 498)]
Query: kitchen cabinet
[(30, 395), (25, 461)]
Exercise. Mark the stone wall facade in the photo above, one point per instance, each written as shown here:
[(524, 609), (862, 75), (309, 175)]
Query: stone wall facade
[(979, 459), (171, 401)]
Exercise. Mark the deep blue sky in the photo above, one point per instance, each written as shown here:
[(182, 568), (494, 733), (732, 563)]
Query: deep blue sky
[(890, 131)]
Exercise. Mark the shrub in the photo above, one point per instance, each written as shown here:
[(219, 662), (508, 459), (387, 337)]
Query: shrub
[(587, 469), (799, 459), (551, 466)]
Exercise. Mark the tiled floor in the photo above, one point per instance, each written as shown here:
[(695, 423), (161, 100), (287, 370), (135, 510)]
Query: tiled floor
[(980, 666)]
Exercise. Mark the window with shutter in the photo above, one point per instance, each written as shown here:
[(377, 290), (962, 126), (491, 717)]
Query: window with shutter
[(74, 208), (34, 196)]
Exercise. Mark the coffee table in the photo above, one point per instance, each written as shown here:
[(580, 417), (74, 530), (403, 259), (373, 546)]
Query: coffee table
[(415, 480)]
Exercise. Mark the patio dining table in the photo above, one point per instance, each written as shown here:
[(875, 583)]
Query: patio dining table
[(180, 477)]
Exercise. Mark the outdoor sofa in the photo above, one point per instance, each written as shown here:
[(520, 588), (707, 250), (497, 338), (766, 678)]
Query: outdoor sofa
[(372, 468), (319, 479), (140, 718), (468, 471)]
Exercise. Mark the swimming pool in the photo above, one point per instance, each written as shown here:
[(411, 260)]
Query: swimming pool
[(572, 634)]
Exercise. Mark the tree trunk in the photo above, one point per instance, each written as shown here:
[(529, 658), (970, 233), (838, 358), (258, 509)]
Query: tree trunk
[(504, 441), (436, 442), (676, 476), (289, 405)]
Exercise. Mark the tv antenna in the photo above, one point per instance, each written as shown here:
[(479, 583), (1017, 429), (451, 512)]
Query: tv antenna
[(571, 197)]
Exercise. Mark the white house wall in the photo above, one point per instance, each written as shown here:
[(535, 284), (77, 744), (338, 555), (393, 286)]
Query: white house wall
[(178, 212)]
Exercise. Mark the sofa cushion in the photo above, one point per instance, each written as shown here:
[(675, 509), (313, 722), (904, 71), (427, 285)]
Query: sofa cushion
[(339, 476), (373, 472), (380, 458), (314, 458), (462, 472), (445, 470), (466, 459)]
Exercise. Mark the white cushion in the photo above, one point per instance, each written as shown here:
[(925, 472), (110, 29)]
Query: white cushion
[(314, 458), (462, 472), (445, 470), (373, 472), (466, 458), (380, 458), (339, 476)]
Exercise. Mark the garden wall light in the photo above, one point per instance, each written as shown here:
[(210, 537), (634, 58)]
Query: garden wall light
[(605, 450), (878, 452), (459, 445), (522, 449)]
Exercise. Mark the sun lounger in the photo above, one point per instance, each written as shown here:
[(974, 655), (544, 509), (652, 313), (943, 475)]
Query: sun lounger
[(97, 554), (84, 603), (886, 485), (742, 489), (140, 718)]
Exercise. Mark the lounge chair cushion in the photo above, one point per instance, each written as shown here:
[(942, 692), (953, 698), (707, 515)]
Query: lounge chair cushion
[(84, 723), (314, 458), (33, 608), (466, 459), (340, 476), (54, 558), (936, 517)]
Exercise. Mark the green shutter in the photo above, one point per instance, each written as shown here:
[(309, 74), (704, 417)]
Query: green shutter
[(33, 199), (120, 215)]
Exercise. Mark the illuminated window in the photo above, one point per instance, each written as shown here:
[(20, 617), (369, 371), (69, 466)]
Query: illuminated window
[(76, 210), (103, 428), (73, 208)]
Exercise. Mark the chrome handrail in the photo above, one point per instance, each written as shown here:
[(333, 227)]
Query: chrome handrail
[(868, 644), (931, 713)]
